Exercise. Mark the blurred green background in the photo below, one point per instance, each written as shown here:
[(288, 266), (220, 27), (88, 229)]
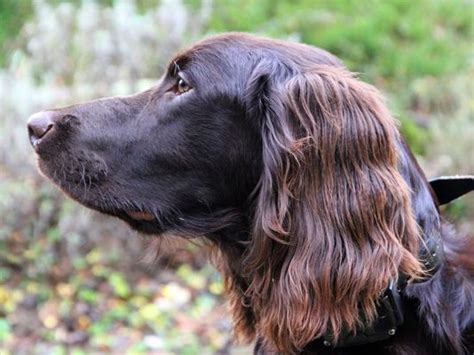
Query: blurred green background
[(73, 281)]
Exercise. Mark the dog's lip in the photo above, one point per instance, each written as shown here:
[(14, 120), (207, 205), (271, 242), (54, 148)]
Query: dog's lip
[(141, 215), (36, 144), (39, 143)]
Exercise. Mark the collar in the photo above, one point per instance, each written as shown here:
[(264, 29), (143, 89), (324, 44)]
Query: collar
[(390, 309)]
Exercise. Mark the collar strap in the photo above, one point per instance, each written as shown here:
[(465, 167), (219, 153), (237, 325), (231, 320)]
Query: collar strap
[(390, 308), (390, 304), (389, 317)]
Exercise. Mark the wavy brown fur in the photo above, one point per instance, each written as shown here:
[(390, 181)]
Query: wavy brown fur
[(331, 203)]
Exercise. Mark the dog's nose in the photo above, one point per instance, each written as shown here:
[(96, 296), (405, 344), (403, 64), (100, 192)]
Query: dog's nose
[(39, 124)]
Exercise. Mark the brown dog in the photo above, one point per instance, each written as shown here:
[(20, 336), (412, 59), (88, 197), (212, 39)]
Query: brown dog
[(329, 237)]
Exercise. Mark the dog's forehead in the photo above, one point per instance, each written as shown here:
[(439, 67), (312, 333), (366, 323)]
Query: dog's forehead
[(223, 57), (216, 49), (235, 49)]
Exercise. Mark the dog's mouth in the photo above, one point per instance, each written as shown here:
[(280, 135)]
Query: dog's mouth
[(89, 188), (142, 221), (141, 215)]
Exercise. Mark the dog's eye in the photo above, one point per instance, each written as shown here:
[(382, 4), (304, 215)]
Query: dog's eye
[(182, 86)]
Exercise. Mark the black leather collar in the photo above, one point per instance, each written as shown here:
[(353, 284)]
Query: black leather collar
[(390, 308)]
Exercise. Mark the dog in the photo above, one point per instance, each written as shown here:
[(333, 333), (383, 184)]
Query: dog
[(326, 230)]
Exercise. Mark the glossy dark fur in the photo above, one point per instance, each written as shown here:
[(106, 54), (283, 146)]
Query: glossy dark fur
[(246, 160)]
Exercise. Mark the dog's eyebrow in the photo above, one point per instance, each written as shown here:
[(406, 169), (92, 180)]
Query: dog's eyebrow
[(176, 68), (177, 64)]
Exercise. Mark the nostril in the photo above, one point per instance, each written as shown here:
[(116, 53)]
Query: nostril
[(39, 125)]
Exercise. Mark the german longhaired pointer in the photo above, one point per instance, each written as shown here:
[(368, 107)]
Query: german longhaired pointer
[(326, 231)]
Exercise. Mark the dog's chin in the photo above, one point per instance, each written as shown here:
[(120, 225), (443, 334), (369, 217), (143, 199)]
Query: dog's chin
[(94, 197)]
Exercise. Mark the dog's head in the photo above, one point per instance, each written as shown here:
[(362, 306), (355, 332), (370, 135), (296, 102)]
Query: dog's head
[(280, 135), (176, 156)]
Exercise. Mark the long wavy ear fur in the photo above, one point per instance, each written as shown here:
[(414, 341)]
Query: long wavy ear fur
[(333, 222)]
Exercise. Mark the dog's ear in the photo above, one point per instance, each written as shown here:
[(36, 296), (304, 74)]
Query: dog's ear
[(333, 224)]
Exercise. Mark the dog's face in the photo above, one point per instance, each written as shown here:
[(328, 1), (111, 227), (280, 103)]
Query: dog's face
[(160, 157), (175, 156)]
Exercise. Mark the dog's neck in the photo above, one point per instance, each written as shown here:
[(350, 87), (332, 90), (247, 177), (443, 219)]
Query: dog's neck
[(233, 241)]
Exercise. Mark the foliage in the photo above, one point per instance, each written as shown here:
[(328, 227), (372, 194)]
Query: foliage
[(10, 13), (71, 281), (391, 39)]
